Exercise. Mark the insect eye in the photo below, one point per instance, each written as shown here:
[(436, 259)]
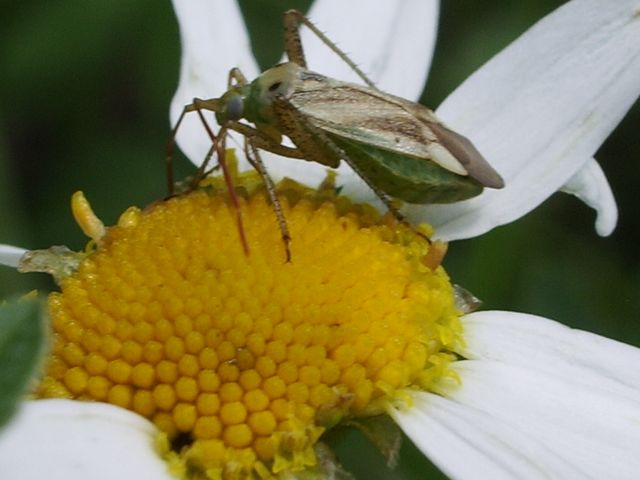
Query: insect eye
[(235, 107), (274, 86)]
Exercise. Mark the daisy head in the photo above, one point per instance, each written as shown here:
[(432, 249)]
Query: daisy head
[(191, 314)]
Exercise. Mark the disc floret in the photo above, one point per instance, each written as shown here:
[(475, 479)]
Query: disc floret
[(248, 359)]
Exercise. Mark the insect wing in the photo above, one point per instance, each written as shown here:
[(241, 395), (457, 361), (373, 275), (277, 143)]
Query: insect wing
[(371, 117), (363, 115)]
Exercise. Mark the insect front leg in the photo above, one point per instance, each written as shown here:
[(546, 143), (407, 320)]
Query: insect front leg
[(198, 104), (253, 157), (218, 145), (293, 45), (264, 142)]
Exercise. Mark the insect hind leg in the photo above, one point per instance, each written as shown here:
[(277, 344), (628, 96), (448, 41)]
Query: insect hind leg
[(384, 198), (293, 45), (302, 124)]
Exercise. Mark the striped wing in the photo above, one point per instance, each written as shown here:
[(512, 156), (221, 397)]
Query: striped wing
[(372, 117)]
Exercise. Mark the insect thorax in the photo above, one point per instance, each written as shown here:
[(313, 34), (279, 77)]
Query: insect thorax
[(279, 81)]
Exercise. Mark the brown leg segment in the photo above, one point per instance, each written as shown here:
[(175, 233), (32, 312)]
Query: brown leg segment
[(171, 145), (293, 46), (299, 118), (198, 104), (254, 159), (263, 141), (236, 77)]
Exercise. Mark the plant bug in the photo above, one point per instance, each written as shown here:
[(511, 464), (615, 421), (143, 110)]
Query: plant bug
[(398, 147)]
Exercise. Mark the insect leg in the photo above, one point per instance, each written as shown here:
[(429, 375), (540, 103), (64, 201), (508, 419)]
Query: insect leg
[(255, 160), (236, 77), (295, 116), (292, 42), (293, 45), (219, 147), (202, 169), (171, 143), (197, 104), (386, 199), (263, 141), (388, 202)]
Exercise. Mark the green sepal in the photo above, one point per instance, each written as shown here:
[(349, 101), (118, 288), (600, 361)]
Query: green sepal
[(23, 337), (383, 433), (58, 261), (326, 468)]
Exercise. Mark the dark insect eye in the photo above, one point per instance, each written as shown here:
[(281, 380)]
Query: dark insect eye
[(235, 108), (274, 86)]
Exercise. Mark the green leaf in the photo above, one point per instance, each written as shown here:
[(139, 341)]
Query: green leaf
[(22, 341)]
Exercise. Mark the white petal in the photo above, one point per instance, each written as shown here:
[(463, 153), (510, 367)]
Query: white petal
[(591, 186), (537, 343), (214, 40), (536, 400), (540, 109), (71, 440), (390, 41), (592, 429), (10, 255), (465, 443)]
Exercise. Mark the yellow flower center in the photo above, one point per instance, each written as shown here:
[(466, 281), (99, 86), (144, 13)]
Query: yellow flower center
[(247, 358)]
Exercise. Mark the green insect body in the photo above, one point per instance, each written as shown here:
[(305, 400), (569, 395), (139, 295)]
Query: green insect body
[(399, 146), (409, 178)]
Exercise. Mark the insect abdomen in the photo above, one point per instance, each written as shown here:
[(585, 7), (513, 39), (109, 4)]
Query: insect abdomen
[(411, 179)]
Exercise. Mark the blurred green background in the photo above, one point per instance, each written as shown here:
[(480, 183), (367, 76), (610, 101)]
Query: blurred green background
[(84, 94)]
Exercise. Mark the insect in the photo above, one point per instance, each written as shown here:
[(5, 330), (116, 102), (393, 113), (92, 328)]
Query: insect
[(398, 147)]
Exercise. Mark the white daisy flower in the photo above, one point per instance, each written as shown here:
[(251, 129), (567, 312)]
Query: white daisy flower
[(515, 396)]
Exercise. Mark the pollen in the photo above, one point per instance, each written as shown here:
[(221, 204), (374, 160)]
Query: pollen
[(247, 355)]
